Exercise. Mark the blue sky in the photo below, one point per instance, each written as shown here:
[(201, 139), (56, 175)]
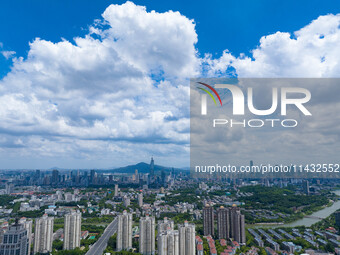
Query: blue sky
[(112, 92), (229, 24)]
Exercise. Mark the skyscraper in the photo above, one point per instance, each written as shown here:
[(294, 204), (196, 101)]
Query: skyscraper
[(164, 225), (43, 234), (93, 177), (168, 242), (37, 174), (28, 225), (140, 199), (223, 223), (152, 167), (126, 201), (208, 220), (9, 188), (306, 187), (15, 240), (337, 218), (237, 225), (186, 239), (124, 231), (116, 190), (55, 177), (72, 230), (163, 177), (147, 235)]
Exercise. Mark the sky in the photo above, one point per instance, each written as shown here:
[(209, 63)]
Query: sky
[(100, 84)]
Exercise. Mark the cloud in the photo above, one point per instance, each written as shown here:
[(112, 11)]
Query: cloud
[(153, 41), (8, 54), (312, 51), (123, 84)]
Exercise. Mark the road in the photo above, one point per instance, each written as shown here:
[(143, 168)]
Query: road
[(98, 247)]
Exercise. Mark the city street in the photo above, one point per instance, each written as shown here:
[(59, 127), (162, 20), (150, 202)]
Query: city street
[(99, 246)]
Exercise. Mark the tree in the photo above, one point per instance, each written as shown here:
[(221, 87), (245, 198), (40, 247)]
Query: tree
[(57, 245)]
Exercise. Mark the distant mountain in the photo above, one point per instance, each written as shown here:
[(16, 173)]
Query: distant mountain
[(142, 167), (56, 168)]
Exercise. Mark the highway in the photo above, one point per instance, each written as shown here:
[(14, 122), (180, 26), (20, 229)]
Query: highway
[(98, 247)]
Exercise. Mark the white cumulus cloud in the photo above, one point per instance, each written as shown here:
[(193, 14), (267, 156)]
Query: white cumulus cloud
[(123, 85), (312, 51)]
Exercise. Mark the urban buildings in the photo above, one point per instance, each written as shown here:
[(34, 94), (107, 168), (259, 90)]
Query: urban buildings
[(93, 177), (306, 187), (9, 188), (126, 201), (223, 225), (152, 167), (164, 225), (147, 235), (55, 177), (337, 218), (72, 230), (124, 231), (43, 234), (186, 238), (15, 241), (208, 220), (230, 223), (116, 190), (140, 199), (28, 225), (237, 225), (168, 242), (151, 176)]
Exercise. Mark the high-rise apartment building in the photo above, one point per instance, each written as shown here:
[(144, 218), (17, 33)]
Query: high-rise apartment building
[(168, 242), (223, 225), (72, 230), (147, 235), (237, 225), (9, 188), (28, 225), (208, 221), (306, 187), (124, 231), (116, 190), (140, 199), (164, 225), (186, 238), (126, 201), (43, 234), (15, 240)]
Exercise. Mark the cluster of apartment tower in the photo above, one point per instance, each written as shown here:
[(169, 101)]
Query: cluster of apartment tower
[(180, 241), (230, 223), (17, 239), (169, 240)]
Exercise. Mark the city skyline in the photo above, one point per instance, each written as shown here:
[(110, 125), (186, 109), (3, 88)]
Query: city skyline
[(169, 127), (226, 214)]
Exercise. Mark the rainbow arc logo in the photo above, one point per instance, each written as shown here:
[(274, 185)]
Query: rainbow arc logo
[(209, 93)]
